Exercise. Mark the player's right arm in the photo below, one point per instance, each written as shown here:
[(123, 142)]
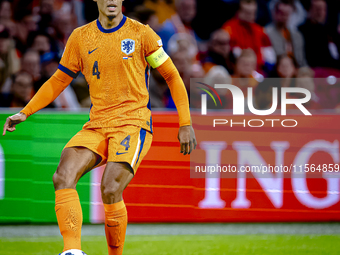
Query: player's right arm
[(46, 95), (68, 69)]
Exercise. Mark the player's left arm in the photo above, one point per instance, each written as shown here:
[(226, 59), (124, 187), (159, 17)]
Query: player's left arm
[(186, 134), (157, 58)]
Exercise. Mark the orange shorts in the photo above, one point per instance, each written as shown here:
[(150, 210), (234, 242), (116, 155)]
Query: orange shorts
[(119, 144)]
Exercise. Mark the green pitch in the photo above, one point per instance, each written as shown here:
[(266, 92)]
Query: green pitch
[(183, 245)]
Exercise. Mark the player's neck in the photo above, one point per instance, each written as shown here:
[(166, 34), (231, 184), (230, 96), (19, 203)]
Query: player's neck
[(108, 23)]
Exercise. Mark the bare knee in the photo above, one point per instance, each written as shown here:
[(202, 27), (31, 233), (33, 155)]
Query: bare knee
[(111, 191), (115, 179), (64, 179)]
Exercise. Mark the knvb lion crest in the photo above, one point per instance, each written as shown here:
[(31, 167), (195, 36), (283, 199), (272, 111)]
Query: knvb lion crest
[(128, 46)]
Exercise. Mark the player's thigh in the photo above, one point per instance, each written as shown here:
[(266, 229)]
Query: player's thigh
[(92, 139), (81, 154), (130, 145)]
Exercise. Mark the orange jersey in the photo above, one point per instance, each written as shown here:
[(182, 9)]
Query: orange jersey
[(114, 64)]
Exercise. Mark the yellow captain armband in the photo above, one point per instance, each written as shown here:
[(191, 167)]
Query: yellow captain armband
[(157, 58)]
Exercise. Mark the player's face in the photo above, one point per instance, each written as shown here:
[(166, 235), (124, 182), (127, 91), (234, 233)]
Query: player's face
[(110, 8)]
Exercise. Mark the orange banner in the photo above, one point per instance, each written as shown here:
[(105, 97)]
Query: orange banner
[(166, 187)]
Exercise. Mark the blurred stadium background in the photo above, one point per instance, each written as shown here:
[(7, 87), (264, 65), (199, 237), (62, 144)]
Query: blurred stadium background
[(169, 211)]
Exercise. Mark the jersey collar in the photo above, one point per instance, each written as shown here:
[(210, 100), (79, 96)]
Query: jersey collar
[(111, 29)]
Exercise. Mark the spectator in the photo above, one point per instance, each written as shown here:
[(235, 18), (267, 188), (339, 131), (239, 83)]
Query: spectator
[(30, 63), (21, 91), (182, 60), (245, 64), (6, 17), (189, 71), (212, 16), (305, 79), (81, 89), (219, 52), (41, 44), (245, 71), (322, 46), (146, 16), (46, 9), (179, 22), (185, 43), (64, 25), (217, 75), (163, 9), (263, 12), (286, 66), (292, 76), (263, 95), (5, 12), (298, 15), (9, 60), (158, 90), (67, 100), (183, 50), (79, 12), (245, 33), (286, 40), (197, 71), (26, 25), (283, 76), (286, 69)]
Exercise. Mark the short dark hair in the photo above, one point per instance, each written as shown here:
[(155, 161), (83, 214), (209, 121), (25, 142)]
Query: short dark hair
[(143, 13), (34, 34), (248, 1), (280, 57), (287, 2), (307, 4)]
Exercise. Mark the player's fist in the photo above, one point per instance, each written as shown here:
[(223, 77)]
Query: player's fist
[(187, 139), (12, 121)]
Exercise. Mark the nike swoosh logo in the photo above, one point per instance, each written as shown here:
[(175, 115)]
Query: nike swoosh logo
[(93, 50), (117, 153)]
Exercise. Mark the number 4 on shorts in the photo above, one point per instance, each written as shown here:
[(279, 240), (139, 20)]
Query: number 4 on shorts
[(126, 142)]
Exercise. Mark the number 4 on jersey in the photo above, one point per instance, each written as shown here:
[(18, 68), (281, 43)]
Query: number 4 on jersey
[(95, 70), (126, 142)]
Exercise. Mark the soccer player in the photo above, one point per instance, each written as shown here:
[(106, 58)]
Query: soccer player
[(115, 54)]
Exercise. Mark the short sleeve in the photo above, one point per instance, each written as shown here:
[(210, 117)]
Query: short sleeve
[(152, 42), (70, 61)]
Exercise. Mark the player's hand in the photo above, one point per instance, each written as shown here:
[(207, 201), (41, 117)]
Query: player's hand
[(12, 121), (187, 139)]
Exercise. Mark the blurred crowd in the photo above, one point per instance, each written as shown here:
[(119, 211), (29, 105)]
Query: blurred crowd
[(242, 42)]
